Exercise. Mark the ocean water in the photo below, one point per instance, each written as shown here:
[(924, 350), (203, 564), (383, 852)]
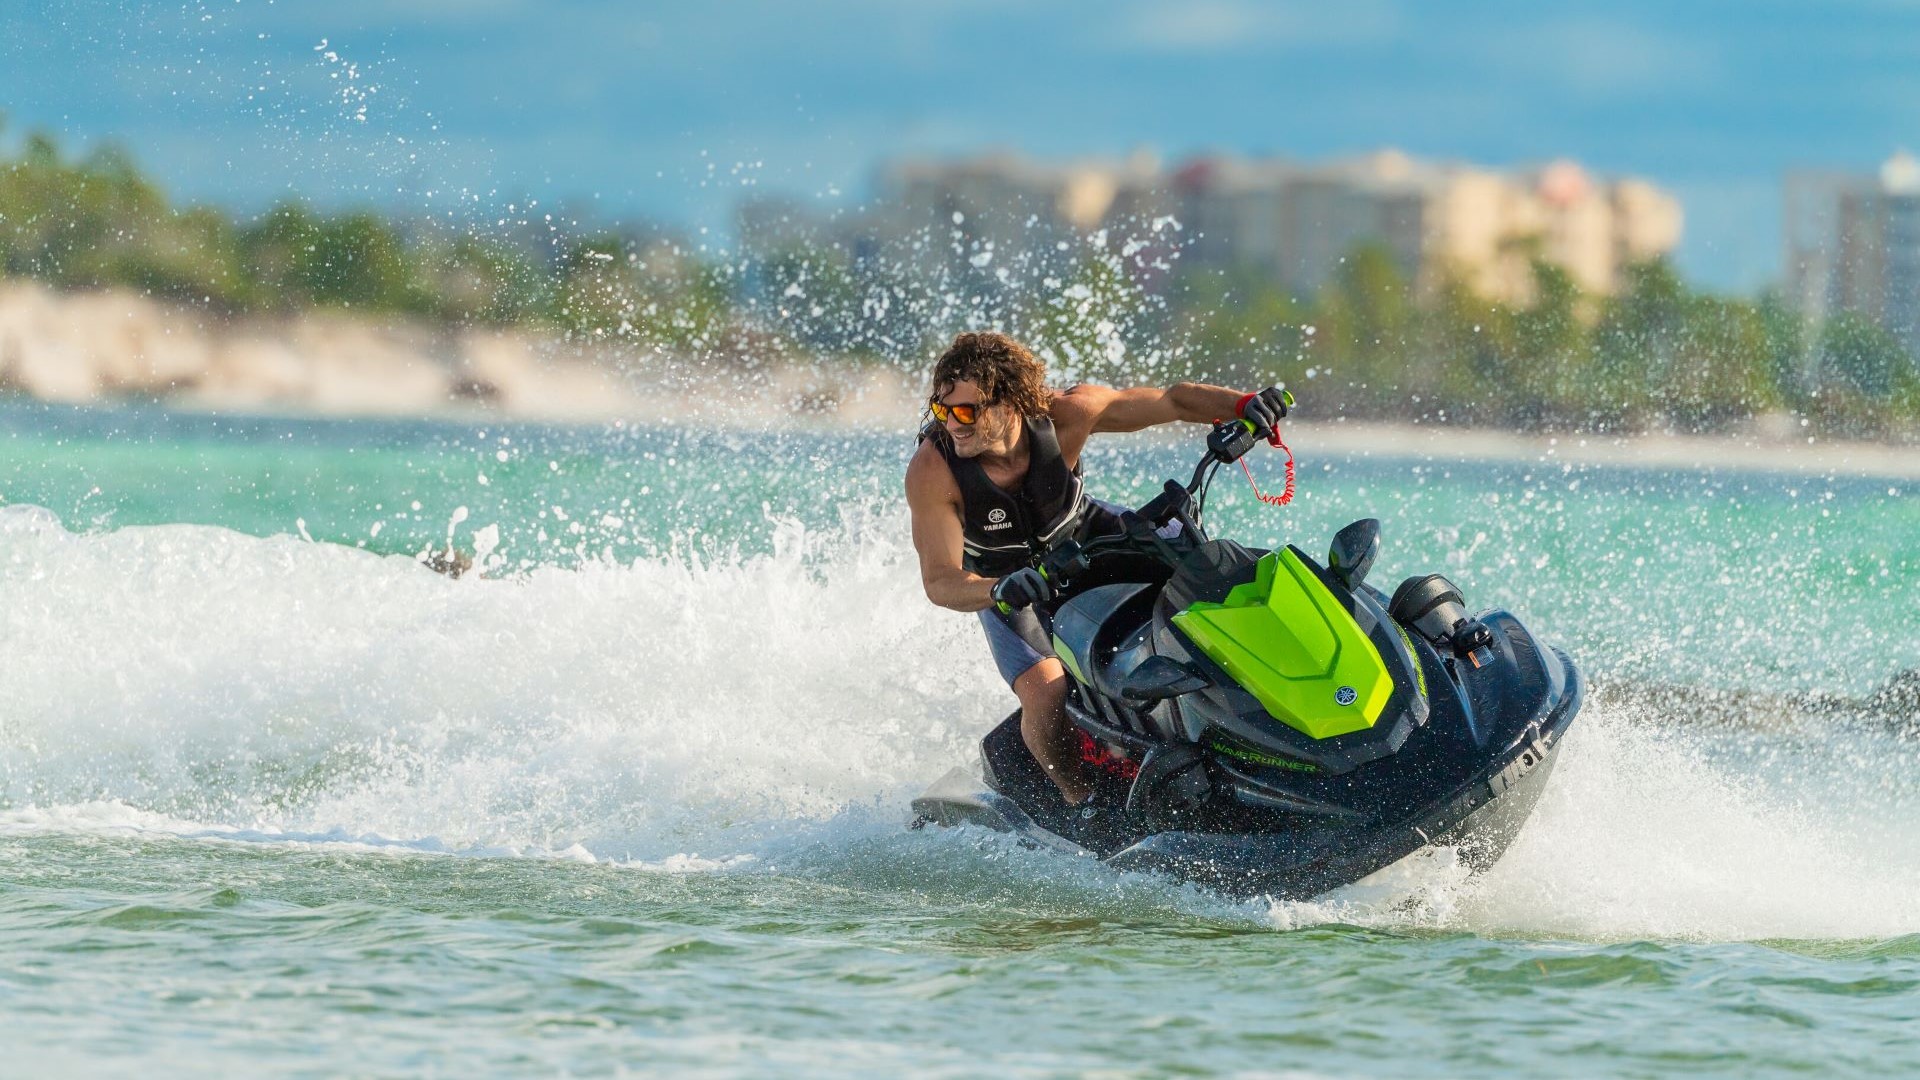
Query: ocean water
[(277, 800)]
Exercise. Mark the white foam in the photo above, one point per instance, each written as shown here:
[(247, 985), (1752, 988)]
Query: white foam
[(642, 709), (772, 714), (1643, 833)]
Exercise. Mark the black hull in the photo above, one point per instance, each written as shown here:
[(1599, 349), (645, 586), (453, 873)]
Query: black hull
[(1480, 816)]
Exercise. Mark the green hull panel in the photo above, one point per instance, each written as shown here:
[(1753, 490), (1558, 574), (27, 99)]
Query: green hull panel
[(1292, 644), (1066, 659)]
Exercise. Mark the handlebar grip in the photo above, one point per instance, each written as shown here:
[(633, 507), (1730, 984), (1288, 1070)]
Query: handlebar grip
[(1231, 440)]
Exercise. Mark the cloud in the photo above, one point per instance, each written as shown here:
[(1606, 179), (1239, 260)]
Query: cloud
[(1216, 26), (1608, 59)]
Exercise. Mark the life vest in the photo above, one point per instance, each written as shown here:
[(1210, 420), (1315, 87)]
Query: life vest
[(1003, 531)]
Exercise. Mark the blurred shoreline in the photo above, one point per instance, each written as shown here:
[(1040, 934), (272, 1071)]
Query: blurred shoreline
[(96, 348), (103, 349), (1772, 444)]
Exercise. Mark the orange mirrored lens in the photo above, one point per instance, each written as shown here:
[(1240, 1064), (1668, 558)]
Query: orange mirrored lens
[(966, 414)]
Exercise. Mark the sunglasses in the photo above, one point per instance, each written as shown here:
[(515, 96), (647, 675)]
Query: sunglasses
[(967, 414)]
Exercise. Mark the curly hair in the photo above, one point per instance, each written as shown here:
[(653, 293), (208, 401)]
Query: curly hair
[(1003, 369)]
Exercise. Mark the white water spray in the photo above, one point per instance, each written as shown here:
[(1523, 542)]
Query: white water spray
[(771, 710)]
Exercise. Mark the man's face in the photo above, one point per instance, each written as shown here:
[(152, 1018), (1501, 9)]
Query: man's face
[(988, 433)]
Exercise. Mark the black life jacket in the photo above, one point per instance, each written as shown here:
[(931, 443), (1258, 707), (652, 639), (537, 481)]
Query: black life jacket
[(1003, 531)]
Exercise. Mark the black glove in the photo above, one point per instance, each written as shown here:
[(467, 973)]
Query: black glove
[(1022, 588), (1265, 410)]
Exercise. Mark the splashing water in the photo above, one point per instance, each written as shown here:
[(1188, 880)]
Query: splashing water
[(725, 705), (728, 707)]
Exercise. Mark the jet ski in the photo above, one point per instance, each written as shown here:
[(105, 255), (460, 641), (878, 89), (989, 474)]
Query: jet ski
[(1262, 722)]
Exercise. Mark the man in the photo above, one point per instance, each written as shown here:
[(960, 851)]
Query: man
[(995, 483)]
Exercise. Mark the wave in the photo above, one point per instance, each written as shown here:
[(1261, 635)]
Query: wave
[(775, 712), (272, 682)]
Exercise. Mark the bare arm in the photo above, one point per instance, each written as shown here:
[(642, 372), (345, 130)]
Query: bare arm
[(933, 499), (1087, 408)]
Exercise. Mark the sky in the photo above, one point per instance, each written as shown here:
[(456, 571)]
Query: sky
[(674, 111)]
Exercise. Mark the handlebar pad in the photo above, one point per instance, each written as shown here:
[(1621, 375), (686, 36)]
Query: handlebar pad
[(1230, 441)]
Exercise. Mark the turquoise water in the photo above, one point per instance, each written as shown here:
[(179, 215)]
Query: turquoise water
[(276, 800)]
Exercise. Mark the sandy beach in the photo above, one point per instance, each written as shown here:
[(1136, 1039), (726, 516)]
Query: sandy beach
[(100, 347)]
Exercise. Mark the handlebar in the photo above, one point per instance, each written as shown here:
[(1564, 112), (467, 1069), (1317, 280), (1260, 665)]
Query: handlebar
[(1064, 562), (1229, 441), (1057, 567)]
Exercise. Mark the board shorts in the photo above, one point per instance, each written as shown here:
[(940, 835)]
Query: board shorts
[(1020, 640), (1017, 641)]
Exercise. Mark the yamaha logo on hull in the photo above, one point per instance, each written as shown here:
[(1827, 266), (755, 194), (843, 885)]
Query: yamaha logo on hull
[(1344, 696)]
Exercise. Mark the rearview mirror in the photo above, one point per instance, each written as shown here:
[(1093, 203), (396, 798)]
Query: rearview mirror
[(1352, 552)]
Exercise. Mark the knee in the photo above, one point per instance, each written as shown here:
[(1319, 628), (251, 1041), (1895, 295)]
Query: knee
[(1043, 687)]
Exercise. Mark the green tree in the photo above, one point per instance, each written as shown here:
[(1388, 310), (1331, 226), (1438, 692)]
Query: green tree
[(1722, 368), (296, 259), (1363, 324), (1550, 372), (657, 295), (1635, 341), (1235, 325), (813, 296), (1467, 345), (360, 261), (477, 280), (1858, 355), (1905, 403), (1788, 345), (279, 250)]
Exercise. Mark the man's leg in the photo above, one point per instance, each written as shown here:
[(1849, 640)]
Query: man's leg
[(1042, 690)]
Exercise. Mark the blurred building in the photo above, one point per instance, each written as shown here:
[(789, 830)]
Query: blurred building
[(1853, 245), (1297, 222), (1012, 195), (1002, 215), (1291, 222)]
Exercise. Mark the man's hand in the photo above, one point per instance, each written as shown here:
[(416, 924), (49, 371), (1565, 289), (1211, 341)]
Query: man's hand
[(1264, 410), (1022, 588)]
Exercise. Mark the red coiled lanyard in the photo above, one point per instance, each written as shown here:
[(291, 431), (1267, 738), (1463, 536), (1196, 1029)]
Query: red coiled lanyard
[(1286, 493)]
